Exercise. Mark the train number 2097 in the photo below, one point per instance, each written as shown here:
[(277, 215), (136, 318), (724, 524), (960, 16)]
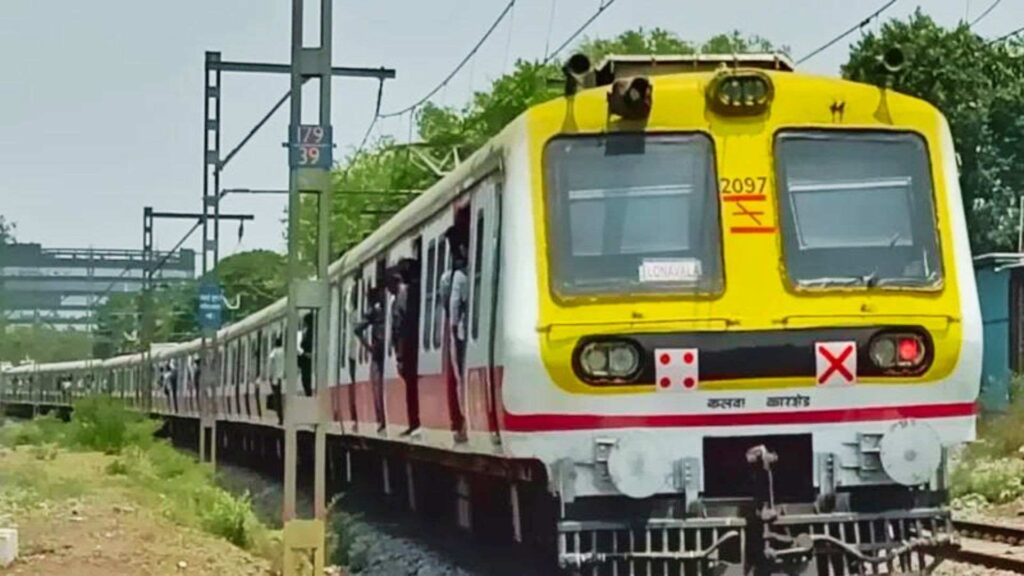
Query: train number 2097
[(747, 185)]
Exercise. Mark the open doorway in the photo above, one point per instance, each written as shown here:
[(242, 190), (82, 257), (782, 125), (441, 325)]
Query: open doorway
[(454, 303), (404, 286)]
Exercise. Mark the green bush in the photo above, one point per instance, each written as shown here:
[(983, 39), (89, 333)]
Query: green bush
[(229, 517), (41, 430), (998, 481), (103, 424)]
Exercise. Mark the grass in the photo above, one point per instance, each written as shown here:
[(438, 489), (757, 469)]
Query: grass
[(991, 470), (157, 475)]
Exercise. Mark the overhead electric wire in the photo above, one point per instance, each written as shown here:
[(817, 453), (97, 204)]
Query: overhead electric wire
[(604, 5), (1007, 36), (846, 32), (985, 13), (551, 23), (159, 265), (170, 253), (369, 130), (462, 63)]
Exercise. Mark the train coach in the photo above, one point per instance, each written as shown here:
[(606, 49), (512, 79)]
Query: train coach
[(721, 316)]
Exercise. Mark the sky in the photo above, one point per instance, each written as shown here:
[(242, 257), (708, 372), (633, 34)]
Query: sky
[(101, 104)]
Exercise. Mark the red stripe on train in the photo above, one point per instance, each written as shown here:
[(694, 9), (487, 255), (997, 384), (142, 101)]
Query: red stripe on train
[(558, 422)]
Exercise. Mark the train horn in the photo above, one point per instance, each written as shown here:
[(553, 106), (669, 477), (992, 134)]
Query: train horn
[(578, 72), (893, 59)]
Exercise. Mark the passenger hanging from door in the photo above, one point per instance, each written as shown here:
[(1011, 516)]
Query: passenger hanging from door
[(404, 323), (373, 320), (352, 351), (172, 381), (454, 296), (306, 343), (457, 305), (276, 359)]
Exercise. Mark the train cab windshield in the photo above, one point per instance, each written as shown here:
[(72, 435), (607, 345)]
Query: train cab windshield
[(857, 210), (633, 213)]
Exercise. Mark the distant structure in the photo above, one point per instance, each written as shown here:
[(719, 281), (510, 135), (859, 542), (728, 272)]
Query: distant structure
[(62, 287), (1000, 279)]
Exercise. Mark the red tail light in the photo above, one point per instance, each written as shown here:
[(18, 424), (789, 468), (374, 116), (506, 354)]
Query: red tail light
[(909, 349)]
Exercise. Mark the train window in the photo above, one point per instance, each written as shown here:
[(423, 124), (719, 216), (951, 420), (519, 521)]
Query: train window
[(440, 305), (428, 294), (478, 269), (633, 213), (857, 209)]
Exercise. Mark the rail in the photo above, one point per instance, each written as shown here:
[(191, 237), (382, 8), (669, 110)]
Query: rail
[(990, 545)]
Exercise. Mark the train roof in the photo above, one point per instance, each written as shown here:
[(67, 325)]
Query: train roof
[(623, 65)]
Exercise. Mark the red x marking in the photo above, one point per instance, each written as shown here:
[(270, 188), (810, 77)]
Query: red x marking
[(835, 364)]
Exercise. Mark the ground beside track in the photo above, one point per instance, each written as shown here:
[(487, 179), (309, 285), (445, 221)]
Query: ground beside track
[(75, 518)]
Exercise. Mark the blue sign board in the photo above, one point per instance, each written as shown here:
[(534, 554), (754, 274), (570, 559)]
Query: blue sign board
[(211, 300)]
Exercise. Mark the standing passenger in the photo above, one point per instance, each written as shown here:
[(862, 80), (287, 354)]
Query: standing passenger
[(403, 342), (306, 343), (373, 320), (276, 358), (457, 303)]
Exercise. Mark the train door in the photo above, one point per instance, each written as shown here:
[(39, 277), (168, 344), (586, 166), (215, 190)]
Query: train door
[(401, 332), (241, 354), (353, 315), (481, 377), (434, 398), (335, 313), (227, 389), (454, 292), (379, 341), (367, 409), (410, 272)]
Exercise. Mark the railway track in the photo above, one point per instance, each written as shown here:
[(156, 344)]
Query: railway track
[(990, 545)]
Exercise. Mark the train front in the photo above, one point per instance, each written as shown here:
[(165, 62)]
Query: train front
[(754, 335)]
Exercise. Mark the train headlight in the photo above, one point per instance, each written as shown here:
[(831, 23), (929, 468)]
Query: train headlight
[(594, 360), (883, 352), (609, 361), (740, 92), (622, 360)]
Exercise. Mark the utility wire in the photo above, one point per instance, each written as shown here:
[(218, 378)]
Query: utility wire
[(985, 13), (170, 253), (460, 66), (551, 23), (1007, 36), (847, 32), (604, 5), (508, 42), (369, 130), (159, 265)]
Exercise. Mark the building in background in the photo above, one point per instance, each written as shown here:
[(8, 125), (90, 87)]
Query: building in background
[(1000, 279), (62, 287)]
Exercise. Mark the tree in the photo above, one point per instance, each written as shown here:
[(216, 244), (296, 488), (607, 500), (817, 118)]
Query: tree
[(443, 131), (979, 86), (256, 278), (42, 343), (7, 231), (118, 322)]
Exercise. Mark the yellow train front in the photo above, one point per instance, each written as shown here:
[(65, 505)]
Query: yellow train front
[(753, 334)]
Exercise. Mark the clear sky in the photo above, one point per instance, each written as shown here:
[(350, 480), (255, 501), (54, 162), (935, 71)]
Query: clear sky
[(101, 101)]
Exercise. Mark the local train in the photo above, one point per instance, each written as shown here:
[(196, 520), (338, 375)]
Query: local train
[(721, 316)]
